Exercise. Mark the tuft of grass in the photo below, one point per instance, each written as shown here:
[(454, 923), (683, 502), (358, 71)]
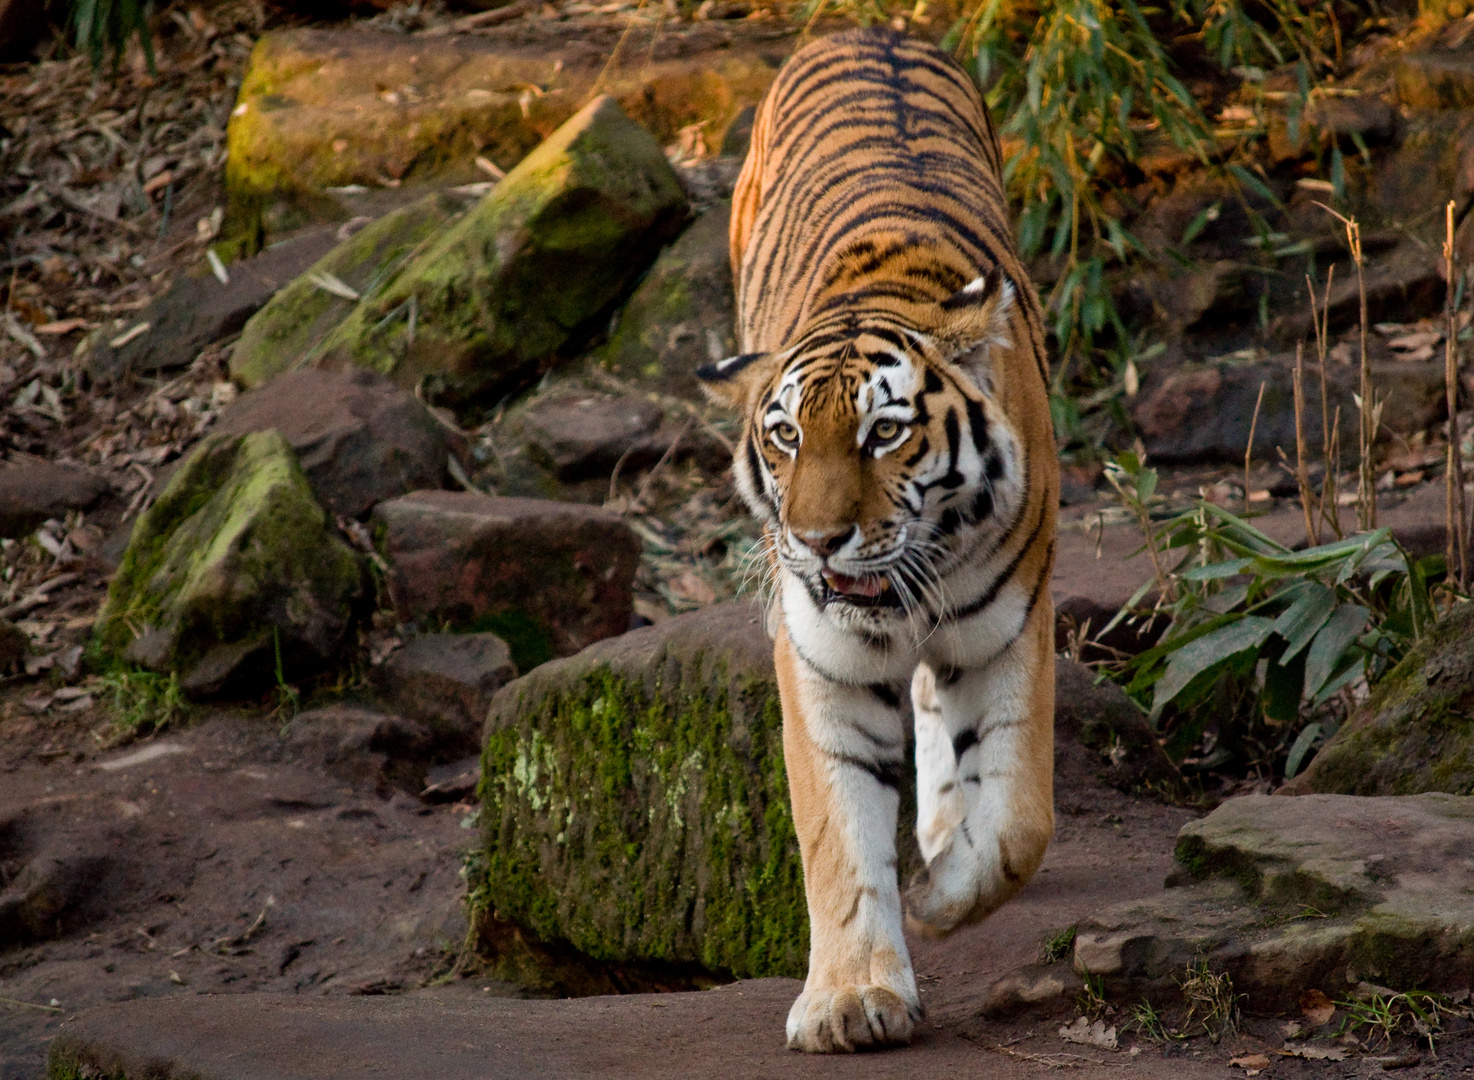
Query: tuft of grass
[(288, 701), (1057, 946), (144, 701), (1210, 998), (1091, 1001), (1377, 1017), (1144, 1018)]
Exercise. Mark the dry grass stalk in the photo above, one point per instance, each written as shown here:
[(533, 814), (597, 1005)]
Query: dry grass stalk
[(1456, 520), (1302, 474), (1366, 488), (1330, 513), (1249, 450)]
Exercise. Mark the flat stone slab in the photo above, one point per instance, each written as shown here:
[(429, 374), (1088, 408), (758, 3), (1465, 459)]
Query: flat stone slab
[(731, 1033), (1320, 892)]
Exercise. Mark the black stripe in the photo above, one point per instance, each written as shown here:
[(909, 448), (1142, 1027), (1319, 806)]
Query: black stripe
[(964, 741), (886, 773)]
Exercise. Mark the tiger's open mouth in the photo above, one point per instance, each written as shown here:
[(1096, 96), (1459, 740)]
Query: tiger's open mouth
[(862, 589)]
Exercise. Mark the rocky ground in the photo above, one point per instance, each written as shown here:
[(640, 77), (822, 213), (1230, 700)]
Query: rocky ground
[(210, 788)]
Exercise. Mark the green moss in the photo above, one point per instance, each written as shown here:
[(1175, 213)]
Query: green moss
[(285, 333), (235, 549), (1416, 733), (527, 269), (529, 637), (638, 826)]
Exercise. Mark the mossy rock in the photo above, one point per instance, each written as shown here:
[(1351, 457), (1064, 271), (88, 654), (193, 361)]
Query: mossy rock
[(320, 109), (681, 316), (635, 818), (530, 270), (1416, 731), (235, 564), (285, 333), (1324, 891)]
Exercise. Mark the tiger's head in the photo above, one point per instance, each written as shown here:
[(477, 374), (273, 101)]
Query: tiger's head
[(874, 450)]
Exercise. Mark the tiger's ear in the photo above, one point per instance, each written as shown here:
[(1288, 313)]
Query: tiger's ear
[(733, 381), (974, 320)]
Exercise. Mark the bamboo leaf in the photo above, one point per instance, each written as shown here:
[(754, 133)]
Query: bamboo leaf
[(1331, 644), (1207, 651)]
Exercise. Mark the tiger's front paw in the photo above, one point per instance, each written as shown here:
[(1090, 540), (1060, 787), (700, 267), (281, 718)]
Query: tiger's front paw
[(843, 1019)]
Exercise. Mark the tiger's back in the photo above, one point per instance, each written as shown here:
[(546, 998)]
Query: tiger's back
[(881, 180), (897, 446)]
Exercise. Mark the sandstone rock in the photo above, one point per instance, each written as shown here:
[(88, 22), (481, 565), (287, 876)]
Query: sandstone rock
[(1436, 79), (528, 270), (1387, 880), (359, 438), (283, 335), (1433, 163), (50, 894), (14, 645), (446, 681), (320, 109), (36, 491), (1328, 120), (234, 562), (1199, 413), (362, 746), (681, 316), (547, 577), (581, 434), (634, 807), (1416, 731), (1099, 730), (198, 310)]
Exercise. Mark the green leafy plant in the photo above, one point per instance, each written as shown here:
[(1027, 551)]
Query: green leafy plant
[(106, 26), (144, 701), (1257, 628)]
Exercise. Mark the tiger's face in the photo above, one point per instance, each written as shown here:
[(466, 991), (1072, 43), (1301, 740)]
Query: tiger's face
[(873, 453)]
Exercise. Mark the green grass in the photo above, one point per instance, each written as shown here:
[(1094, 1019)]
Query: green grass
[(144, 701), (1057, 946)]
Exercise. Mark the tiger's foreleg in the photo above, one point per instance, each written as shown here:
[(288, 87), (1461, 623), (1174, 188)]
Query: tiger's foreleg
[(985, 772), (843, 747)]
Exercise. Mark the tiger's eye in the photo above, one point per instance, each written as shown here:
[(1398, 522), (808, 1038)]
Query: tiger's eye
[(886, 430), (786, 433)]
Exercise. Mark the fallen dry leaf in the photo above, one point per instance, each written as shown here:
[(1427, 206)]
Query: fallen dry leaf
[(1313, 1053), (1316, 1007), (1089, 1033), (1252, 1064)]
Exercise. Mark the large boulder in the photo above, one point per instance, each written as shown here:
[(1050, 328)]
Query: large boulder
[(359, 438), (32, 492), (529, 270), (446, 681), (1203, 412), (1287, 895), (283, 335), (547, 577), (635, 811), (1100, 732), (199, 310), (681, 316), (235, 565), (323, 109), (1416, 731)]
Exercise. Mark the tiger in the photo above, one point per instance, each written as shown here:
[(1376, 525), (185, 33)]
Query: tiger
[(898, 451)]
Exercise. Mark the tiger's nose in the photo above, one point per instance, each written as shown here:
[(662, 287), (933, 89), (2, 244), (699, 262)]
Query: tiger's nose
[(825, 543)]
